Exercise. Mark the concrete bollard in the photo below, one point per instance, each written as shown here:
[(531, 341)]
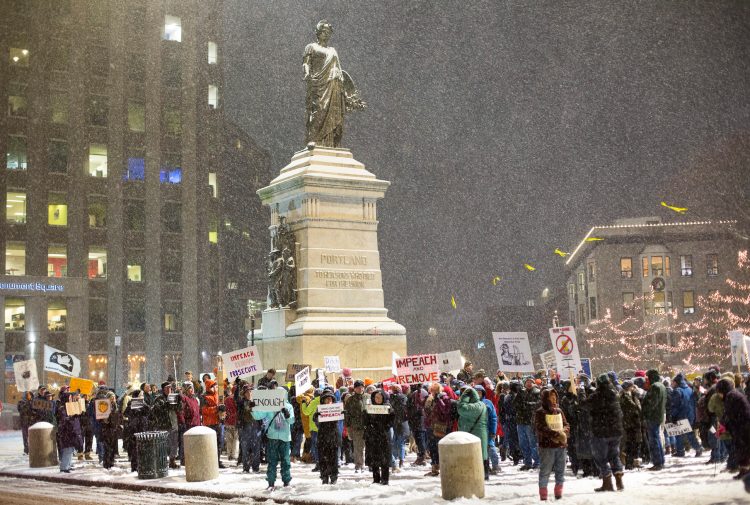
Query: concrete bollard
[(201, 461), (461, 466), (42, 445)]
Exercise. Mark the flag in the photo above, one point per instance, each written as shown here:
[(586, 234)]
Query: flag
[(679, 210), (561, 253), (495, 280), (529, 267), (61, 362), (453, 302)]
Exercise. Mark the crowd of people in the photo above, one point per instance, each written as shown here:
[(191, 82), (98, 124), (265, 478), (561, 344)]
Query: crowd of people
[(600, 428)]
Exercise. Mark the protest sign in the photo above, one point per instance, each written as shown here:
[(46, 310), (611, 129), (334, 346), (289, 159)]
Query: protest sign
[(548, 359), (450, 361), (586, 367), (172, 398), (292, 369), (242, 363), (378, 409), (136, 403), (565, 347), (417, 369), (302, 380), (679, 428), (75, 408), (83, 386), (26, 377), (268, 400), (41, 404), (103, 408), (321, 374), (513, 351), (61, 362), (739, 344), (333, 364), (330, 412), (554, 421)]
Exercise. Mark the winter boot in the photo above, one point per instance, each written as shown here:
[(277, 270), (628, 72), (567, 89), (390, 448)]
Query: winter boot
[(434, 472), (88, 456), (558, 491), (606, 484), (80, 456), (486, 469), (543, 493), (384, 476), (400, 463), (173, 464), (618, 481), (419, 461), (503, 453)]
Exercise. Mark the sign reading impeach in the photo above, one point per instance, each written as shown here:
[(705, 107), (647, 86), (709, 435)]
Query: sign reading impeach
[(417, 369), (242, 363)]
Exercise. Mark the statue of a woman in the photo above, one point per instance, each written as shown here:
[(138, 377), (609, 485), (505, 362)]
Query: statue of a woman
[(330, 91)]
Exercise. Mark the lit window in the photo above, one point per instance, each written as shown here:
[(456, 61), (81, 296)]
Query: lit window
[(213, 96), (626, 268), (97, 214), (667, 267), (19, 57), (213, 231), (686, 265), (171, 171), (581, 281), (97, 267), (97, 161), (57, 156), (657, 266), (58, 103), (136, 170), (688, 302), (213, 56), (16, 157), (136, 117), (644, 265), (213, 184), (57, 261), (15, 208), (15, 314), (57, 210), (712, 265), (172, 28), (134, 273), (170, 322), (15, 258), (57, 315), (17, 99)]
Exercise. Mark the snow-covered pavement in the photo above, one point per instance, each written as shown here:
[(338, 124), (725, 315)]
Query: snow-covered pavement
[(685, 481)]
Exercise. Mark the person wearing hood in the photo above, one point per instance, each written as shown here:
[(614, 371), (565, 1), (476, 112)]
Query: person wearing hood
[(552, 431), (583, 435), (188, 415), (736, 421), (472, 418), (400, 428), (606, 428), (526, 403), (683, 407), (308, 407), (164, 418), (631, 424), (108, 428), (569, 407), (377, 442), (492, 463), (279, 433), (437, 420), (69, 436), (415, 413), (329, 442), (654, 408), (508, 421), (210, 411)]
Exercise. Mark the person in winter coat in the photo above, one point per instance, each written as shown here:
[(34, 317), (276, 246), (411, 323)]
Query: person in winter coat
[(189, 414), (250, 431), (137, 422), (437, 419), (583, 435), (492, 463), (736, 421), (309, 406), (329, 442), (400, 428), (631, 424), (87, 431), (377, 441), (654, 407), (472, 418), (569, 407), (164, 418), (108, 428), (25, 413), (298, 434), (354, 421), (210, 411), (683, 407), (415, 414), (230, 425), (525, 404), (606, 427), (69, 436), (508, 420), (552, 433), (279, 434)]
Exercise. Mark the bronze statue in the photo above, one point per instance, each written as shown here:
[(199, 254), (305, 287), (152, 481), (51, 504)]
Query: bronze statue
[(330, 91), (282, 274)]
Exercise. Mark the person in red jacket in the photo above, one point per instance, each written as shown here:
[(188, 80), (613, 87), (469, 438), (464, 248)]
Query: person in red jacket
[(230, 425), (189, 415), (210, 412)]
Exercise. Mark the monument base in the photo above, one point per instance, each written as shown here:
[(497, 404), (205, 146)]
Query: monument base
[(275, 322)]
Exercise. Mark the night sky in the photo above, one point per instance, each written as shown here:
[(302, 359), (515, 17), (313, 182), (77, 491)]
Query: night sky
[(508, 129)]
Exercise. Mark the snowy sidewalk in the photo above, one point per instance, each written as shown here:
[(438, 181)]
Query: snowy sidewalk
[(687, 481)]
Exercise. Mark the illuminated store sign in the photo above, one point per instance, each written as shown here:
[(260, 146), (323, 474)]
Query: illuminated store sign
[(33, 286)]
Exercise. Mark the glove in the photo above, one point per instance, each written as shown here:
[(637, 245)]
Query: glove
[(285, 412), (222, 408)]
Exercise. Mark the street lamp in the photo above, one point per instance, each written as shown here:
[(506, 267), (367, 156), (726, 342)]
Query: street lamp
[(118, 341)]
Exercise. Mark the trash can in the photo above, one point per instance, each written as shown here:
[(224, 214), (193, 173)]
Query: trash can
[(153, 452)]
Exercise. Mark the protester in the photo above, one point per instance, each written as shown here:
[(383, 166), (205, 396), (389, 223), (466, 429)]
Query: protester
[(250, 431), (354, 420), (525, 404), (279, 436), (438, 422), (654, 407), (164, 418), (26, 416), (401, 432), (683, 408), (188, 415), (210, 411), (69, 436), (552, 434), (606, 427), (329, 442), (736, 421), (472, 418), (377, 441), (230, 425), (631, 424)]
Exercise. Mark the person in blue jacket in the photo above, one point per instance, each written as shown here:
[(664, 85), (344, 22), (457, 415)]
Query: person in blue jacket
[(492, 457), (279, 433), (683, 407)]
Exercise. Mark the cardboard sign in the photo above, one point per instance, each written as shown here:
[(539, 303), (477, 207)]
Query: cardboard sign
[(75, 408), (548, 359), (333, 364), (330, 412), (321, 374), (136, 403), (554, 422), (242, 363), (41, 404), (61, 362), (172, 398), (679, 428), (739, 343), (302, 380), (84, 386), (513, 351), (565, 347), (268, 400), (450, 361), (103, 408), (378, 409), (26, 377), (293, 369), (417, 369)]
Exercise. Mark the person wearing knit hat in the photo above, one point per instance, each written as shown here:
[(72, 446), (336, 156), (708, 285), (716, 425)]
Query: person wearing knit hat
[(606, 428), (736, 422), (654, 408), (210, 411), (164, 418), (354, 420), (526, 402), (631, 424), (368, 381)]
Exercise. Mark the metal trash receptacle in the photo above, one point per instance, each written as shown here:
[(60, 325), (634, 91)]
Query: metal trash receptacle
[(153, 454)]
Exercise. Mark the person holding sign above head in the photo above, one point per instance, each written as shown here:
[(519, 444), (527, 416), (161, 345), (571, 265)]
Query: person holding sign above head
[(279, 435), (552, 432), (329, 441), (378, 422)]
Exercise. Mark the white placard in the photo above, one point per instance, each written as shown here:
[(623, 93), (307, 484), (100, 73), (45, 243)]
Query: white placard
[(679, 428), (103, 408), (554, 422), (61, 362), (548, 359), (242, 363), (75, 408), (321, 374), (333, 364), (513, 351), (565, 347), (740, 343), (302, 380), (268, 400), (26, 377), (451, 361), (394, 358), (417, 369), (330, 412), (378, 409)]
